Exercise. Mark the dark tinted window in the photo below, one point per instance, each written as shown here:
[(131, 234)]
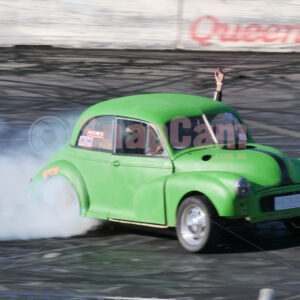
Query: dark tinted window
[(154, 146), (138, 138), (185, 132), (131, 137), (227, 128)]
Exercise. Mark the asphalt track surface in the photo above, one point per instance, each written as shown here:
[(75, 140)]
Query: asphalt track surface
[(134, 262)]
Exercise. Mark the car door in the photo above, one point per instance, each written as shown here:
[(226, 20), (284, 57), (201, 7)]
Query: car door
[(91, 156), (139, 167)]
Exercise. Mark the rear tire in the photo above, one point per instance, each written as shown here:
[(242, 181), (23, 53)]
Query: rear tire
[(57, 191), (197, 224)]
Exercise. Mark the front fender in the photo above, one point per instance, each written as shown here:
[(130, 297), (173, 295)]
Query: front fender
[(70, 172), (218, 187)]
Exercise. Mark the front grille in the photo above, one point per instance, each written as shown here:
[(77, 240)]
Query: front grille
[(267, 202)]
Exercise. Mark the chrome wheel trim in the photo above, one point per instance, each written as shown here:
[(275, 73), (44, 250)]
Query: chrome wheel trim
[(193, 224)]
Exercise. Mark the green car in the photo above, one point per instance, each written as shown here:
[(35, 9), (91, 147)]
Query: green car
[(172, 160)]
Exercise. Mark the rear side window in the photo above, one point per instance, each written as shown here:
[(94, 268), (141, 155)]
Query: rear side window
[(97, 134)]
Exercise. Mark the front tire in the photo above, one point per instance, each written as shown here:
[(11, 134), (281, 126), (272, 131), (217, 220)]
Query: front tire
[(197, 224)]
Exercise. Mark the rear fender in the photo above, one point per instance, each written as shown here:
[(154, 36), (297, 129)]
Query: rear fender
[(70, 172)]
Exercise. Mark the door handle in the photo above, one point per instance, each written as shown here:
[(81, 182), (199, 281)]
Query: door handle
[(115, 163)]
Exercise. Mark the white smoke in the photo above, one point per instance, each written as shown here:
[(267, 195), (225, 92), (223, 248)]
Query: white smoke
[(55, 213)]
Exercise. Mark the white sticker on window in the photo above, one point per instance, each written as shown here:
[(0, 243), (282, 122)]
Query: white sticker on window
[(85, 141)]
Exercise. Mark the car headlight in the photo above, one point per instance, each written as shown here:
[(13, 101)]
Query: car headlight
[(242, 187)]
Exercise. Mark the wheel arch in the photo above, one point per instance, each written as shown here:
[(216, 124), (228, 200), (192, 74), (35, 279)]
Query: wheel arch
[(182, 185), (192, 193), (70, 172)]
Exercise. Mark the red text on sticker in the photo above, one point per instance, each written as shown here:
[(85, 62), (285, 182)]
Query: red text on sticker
[(96, 133)]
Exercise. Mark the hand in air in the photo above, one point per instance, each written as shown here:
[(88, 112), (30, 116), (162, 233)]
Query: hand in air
[(219, 75)]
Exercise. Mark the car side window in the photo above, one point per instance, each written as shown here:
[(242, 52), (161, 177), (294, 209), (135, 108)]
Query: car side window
[(97, 134), (137, 138), (154, 146), (131, 137)]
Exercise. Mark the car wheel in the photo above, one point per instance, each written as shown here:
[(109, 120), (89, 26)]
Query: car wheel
[(293, 225), (197, 224)]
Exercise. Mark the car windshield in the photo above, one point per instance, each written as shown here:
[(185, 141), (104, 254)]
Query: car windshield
[(221, 128)]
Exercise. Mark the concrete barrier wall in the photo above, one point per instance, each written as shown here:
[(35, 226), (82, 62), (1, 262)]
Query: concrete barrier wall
[(233, 25), (89, 23), (243, 25)]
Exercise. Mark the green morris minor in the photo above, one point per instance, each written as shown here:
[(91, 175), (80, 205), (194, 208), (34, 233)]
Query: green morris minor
[(172, 160)]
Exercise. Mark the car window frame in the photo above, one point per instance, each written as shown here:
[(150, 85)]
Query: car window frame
[(147, 125), (94, 149)]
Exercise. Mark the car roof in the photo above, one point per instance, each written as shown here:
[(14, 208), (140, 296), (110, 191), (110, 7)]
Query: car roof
[(156, 108)]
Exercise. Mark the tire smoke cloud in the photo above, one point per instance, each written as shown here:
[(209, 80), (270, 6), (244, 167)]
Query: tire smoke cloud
[(23, 214)]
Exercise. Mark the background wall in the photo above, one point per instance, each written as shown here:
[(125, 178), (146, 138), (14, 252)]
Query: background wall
[(233, 25)]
